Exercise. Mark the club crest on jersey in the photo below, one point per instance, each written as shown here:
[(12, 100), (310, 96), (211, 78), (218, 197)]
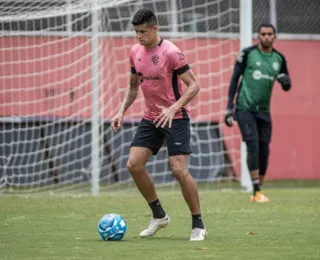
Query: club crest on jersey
[(155, 59), (275, 65)]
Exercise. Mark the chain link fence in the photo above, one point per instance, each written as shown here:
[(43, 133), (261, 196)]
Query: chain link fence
[(298, 16)]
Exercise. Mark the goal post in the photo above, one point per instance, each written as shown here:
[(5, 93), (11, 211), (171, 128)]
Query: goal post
[(245, 41), (95, 117)]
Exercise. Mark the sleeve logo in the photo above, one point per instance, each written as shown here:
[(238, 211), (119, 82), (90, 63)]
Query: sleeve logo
[(240, 57), (182, 58)]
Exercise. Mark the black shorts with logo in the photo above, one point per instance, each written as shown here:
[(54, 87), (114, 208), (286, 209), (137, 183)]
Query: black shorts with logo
[(254, 125), (177, 137)]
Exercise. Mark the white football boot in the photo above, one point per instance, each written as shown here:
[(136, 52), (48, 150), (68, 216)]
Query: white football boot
[(154, 225), (198, 234)]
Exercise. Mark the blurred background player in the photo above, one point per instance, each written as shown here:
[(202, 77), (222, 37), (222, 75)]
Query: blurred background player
[(259, 65), (157, 65)]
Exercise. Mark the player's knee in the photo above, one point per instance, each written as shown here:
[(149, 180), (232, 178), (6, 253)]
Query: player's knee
[(134, 166), (179, 172), (252, 154)]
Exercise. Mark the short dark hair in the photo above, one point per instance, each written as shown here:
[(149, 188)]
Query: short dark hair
[(144, 16), (268, 25)]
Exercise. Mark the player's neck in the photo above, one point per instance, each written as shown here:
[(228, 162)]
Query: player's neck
[(154, 43), (265, 50)]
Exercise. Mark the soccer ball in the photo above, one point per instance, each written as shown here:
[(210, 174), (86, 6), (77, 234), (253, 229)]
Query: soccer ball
[(112, 227)]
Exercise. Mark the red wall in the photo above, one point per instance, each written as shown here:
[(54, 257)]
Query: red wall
[(51, 76), (295, 145)]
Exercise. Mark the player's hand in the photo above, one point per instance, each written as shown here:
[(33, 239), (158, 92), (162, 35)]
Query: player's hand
[(116, 122), (285, 81), (229, 117), (165, 117)]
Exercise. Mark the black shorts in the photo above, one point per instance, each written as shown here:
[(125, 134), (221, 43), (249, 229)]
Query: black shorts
[(254, 125), (177, 137)]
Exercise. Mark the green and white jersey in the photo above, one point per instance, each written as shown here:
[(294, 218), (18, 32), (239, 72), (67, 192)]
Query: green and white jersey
[(259, 70)]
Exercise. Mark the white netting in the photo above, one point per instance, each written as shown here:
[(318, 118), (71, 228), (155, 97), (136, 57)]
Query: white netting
[(46, 80), (291, 16)]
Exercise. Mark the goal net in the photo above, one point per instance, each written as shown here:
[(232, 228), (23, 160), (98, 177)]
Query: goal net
[(64, 69)]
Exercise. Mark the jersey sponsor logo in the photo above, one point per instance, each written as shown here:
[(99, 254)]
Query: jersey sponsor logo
[(275, 65), (257, 75), (142, 78), (155, 59)]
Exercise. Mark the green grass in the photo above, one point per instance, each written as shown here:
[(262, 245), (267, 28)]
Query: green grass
[(64, 226)]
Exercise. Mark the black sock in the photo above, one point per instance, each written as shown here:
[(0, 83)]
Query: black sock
[(256, 186), (197, 221), (157, 210)]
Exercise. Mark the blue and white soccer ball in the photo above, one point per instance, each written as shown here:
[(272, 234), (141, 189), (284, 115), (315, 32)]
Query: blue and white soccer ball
[(112, 227)]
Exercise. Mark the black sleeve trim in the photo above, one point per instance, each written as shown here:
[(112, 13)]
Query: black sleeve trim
[(133, 70), (284, 68), (183, 69), (237, 72)]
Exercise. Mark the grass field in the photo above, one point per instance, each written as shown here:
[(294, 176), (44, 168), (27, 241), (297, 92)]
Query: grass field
[(64, 226)]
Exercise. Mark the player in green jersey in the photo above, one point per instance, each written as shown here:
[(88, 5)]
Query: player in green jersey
[(259, 65)]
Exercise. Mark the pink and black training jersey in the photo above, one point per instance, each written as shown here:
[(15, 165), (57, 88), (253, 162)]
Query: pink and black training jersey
[(158, 71)]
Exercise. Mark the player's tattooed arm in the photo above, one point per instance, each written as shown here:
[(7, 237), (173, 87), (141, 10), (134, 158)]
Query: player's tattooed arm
[(129, 96), (130, 93)]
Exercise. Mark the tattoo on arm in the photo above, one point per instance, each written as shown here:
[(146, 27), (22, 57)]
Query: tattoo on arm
[(130, 94)]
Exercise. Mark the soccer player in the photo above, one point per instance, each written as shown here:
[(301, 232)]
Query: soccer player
[(259, 65), (158, 66)]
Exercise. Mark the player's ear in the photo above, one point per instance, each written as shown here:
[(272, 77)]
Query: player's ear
[(155, 27)]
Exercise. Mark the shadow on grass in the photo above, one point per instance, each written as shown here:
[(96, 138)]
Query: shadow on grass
[(139, 239)]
